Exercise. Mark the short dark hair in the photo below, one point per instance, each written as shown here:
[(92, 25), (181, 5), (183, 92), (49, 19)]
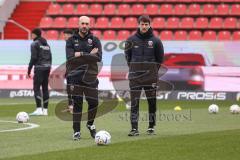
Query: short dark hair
[(68, 31), (37, 32), (144, 18)]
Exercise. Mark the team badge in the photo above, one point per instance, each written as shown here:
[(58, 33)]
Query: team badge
[(72, 87), (150, 44), (89, 41)]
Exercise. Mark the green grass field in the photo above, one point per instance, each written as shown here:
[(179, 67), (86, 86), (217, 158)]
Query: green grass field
[(190, 134)]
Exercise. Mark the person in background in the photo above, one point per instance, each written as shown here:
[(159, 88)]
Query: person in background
[(67, 33), (41, 59)]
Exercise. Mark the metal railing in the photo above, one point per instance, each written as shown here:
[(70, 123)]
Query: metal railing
[(18, 25)]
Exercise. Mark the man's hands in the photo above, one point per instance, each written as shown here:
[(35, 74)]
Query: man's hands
[(94, 51), (28, 76), (79, 54)]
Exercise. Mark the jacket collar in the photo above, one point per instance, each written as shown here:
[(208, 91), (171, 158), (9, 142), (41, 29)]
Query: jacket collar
[(88, 35)]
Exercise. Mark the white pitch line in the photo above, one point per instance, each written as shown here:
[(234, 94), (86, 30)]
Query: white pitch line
[(29, 126), (11, 104)]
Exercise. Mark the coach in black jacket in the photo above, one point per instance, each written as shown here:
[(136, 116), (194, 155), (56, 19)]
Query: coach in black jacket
[(41, 59), (144, 54), (84, 51)]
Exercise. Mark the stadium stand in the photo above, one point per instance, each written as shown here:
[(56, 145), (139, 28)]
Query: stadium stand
[(28, 14), (192, 18)]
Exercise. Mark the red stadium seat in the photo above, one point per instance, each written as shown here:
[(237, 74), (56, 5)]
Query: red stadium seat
[(113, 1), (195, 35), (155, 32), (194, 9), (187, 22), (152, 9), (180, 9), (54, 9), (124, 9), (97, 33), (143, 1), (109, 35), (61, 36), (172, 22), (73, 22), (75, 0), (109, 9), (123, 35), (82, 9), (92, 22), (158, 0), (235, 9), (216, 22), (116, 22), (201, 22), (236, 36), (224, 35), (44, 34), (95, 9), (214, 0), (102, 22), (131, 22), (129, 1), (68, 9), (51, 35), (209, 35), (180, 35), (222, 9), (46, 22), (208, 9), (185, 1), (166, 9), (138, 9), (59, 22), (158, 22), (230, 22), (166, 35)]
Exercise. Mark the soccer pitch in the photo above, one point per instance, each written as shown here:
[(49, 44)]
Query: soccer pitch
[(192, 134)]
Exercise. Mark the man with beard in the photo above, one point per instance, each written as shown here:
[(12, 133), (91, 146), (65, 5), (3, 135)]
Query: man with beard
[(144, 54), (84, 51)]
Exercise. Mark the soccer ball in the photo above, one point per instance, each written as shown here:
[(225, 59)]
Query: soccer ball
[(213, 108), (102, 138), (234, 109), (22, 117)]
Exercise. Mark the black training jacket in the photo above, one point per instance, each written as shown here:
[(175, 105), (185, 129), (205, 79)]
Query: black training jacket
[(85, 67), (41, 56), (143, 52)]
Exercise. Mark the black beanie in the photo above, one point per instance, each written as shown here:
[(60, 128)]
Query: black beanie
[(37, 32)]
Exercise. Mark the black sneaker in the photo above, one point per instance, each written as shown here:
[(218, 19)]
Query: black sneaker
[(150, 131), (92, 130), (133, 132), (76, 136)]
